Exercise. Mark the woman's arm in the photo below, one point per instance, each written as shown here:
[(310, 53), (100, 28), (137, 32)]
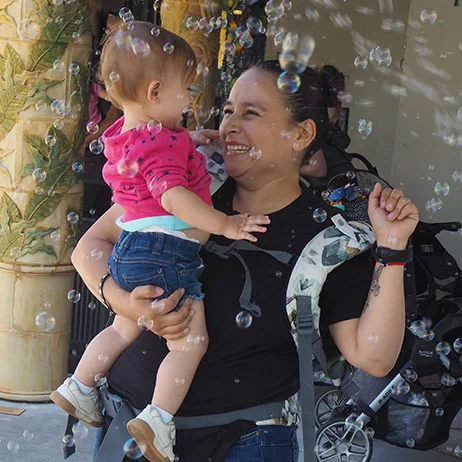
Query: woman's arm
[(102, 236), (372, 343)]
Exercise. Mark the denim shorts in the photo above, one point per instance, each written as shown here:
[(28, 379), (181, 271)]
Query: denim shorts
[(158, 259)]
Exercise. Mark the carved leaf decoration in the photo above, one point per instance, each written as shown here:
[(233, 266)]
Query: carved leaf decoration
[(41, 206), (54, 39), (16, 62), (9, 241), (37, 247), (8, 207), (7, 19), (27, 170), (5, 173), (33, 242), (2, 65), (36, 145), (11, 104)]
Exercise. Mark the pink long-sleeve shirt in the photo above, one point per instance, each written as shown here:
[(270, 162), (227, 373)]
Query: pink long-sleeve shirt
[(142, 165)]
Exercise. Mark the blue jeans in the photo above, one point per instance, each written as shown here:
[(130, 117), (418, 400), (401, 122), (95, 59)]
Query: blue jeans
[(158, 259), (268, 443)]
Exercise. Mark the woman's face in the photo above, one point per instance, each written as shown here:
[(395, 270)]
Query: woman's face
[(255, 116)]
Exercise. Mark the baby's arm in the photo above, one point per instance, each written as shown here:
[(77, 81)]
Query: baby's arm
[(190, 208)]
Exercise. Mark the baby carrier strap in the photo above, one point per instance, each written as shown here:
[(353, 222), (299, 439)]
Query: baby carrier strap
[(232, 250)]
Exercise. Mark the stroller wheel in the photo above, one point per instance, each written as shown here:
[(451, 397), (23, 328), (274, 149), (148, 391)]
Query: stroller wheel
[(326, 403), (337, 443)]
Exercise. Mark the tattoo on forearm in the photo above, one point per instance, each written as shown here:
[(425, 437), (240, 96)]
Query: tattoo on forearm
[(375, 286)]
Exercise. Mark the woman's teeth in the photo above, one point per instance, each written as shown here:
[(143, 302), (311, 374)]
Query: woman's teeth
[(236, 148)]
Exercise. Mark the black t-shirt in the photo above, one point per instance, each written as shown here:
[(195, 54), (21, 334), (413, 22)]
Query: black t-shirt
[(247, 367)]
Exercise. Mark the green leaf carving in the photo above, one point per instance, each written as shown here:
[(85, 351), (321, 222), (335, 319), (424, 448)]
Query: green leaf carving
[(41, 206), (15, 60), (8, 207), (11, 103), (54, 39)]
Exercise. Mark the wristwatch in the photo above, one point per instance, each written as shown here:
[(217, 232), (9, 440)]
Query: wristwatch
[(387, 256)]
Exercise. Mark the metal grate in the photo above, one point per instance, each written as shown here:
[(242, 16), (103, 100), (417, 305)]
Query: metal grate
[(86, 322)]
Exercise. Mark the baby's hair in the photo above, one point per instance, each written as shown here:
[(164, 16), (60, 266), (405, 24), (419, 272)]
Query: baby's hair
[(133, 55)]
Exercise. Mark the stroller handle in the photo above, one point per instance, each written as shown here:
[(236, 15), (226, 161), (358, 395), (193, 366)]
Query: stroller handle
[(436, 228)]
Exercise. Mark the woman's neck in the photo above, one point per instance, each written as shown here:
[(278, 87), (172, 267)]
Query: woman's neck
[(268, 198)]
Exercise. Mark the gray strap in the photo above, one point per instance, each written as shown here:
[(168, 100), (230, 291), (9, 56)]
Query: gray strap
[(226, 251), (305, 354), (111, 449), (254, 414)]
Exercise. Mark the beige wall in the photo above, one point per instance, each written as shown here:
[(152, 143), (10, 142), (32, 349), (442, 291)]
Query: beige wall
[(336, 46), (416, 146), (402, 144)]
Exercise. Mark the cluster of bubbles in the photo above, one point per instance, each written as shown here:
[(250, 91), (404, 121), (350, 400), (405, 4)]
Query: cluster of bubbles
[(294, 58), (207, 26), (422, 329)]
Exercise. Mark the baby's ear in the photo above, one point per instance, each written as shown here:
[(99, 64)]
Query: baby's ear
[(153, 91)]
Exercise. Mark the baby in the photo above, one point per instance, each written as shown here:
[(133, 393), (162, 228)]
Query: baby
[(162, 184)]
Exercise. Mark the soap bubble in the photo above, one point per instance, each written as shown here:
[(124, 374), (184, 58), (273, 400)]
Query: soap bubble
[(92, 306), (342, 21), (319, 215), (439, 411), (131, 450), (344, 97), (381, 56), (102, 357), (352, 423), (410, 442), (50, 140), (364, 127), (244, 319), (45, 321), (123, 40), (434, 205), (55, 236), (428, 16), (74, 68), (255, 26), (96, 254), (155, 126), (403, 388), (80, 431), (458, 451), (72, 218), (443, 348), (40, 106), (74, 296), (140, 47), (28, 435), (127, 168), (68, 441), (179, 381), (192, 23), (92, 128), (58, 65), (125, 14), (39, 175), (168, 48), (114, 77), (360, 62), (58, 124), (28, 30), (288, 83), (442, 189), (373, 338), (96, 147), (458, 345), (145, 322), (312, 14), (429, 335), (411, 375), (255, 153), (13, 447), (447, 380)]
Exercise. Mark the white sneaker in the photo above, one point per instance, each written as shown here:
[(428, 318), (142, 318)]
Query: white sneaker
[(154, 437), (86, 408)]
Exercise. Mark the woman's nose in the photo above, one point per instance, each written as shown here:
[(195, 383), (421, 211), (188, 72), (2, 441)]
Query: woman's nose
[(230, 124)]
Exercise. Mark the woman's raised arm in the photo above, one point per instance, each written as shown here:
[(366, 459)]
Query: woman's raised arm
[(99, 240)]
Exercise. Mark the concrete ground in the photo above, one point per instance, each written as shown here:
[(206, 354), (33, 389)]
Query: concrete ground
[(35, 436)]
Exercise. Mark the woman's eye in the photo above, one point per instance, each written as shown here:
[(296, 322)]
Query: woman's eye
[(251, 113), (227, 111)]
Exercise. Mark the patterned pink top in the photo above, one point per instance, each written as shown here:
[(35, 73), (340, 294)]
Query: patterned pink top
[(142, 165)]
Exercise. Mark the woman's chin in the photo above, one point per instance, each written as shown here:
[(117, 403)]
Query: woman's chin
[(237, 166)]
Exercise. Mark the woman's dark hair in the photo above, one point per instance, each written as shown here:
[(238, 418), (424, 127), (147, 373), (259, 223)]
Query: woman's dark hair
[(317, 92)]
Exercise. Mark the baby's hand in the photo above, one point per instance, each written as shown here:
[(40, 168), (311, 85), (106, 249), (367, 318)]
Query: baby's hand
[(240, 226)]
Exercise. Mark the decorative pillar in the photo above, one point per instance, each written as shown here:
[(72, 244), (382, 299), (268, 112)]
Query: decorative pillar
[(198, 22), (44, 68)]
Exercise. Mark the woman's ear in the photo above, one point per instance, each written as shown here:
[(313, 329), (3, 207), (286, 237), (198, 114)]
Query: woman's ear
[(306, 133), (153, 92)]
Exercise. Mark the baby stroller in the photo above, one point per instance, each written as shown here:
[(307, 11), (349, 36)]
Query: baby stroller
[(400, 406)]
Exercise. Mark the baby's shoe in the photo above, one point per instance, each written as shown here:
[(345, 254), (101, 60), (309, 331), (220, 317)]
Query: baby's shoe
[(86, 408), (153, 436)]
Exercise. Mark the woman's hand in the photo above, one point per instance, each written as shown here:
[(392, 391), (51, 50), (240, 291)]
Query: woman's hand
[(201, 137), (393, 217), (171, 325)]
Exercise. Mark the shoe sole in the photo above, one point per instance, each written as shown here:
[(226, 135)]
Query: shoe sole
[(66, 406), (143, 435)]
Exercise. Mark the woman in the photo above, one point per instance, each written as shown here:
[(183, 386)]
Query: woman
[(255, 363)]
